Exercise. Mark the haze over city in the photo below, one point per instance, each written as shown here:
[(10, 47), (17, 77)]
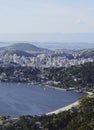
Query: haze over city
[(47, 20)]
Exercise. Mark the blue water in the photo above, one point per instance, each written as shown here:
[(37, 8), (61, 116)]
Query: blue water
[(26, 99)]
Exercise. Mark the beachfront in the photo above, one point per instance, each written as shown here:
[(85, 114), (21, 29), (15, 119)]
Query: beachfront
[(75, 104), (66, 108)]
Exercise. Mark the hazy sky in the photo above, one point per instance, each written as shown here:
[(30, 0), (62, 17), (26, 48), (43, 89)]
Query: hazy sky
[(27, 16)]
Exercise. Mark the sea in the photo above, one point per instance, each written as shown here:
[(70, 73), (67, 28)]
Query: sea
[(17, 99)]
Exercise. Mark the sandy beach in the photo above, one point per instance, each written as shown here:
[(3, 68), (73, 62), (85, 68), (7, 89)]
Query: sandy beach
[(75, 104), (64, 108)]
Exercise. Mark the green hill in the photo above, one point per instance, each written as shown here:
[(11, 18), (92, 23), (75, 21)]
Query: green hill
[(87, 53), (24, 47)]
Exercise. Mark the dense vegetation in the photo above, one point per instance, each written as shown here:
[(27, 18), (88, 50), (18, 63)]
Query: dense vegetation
[(86, 53), (75, 76), (19, 74), (81, 76), (79, 118)]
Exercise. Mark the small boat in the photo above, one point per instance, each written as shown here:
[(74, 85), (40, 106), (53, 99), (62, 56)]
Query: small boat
[(70, 89)]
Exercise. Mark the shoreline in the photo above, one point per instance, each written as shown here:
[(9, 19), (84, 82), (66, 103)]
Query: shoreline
[(66, 108), (57, 88)]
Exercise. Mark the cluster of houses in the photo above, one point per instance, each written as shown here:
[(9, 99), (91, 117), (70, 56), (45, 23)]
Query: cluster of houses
[(42, 60)]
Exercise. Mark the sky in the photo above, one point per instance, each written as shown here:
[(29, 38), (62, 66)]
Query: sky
[(46, 16)]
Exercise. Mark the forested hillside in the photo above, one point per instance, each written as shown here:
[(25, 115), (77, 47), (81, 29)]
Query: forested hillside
[(81, 76)]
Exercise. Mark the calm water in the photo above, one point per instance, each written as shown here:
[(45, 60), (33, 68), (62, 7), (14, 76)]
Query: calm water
[(24, 99)]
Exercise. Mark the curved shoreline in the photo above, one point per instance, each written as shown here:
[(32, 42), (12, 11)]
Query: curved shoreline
[(66, 108)]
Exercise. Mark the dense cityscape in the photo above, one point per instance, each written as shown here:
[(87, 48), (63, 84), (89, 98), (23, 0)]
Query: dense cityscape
[(63, 68), (56, 59)]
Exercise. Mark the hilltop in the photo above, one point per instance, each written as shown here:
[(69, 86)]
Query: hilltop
[(25, 47)]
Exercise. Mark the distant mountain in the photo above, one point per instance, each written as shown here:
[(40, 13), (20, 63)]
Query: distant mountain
[(87, 53), (25, 47)]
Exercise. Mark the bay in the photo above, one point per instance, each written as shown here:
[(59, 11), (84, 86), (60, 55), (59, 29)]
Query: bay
[(17, 99)]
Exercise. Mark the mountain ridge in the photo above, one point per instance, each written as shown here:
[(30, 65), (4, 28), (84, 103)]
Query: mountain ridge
[(27, 47)]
